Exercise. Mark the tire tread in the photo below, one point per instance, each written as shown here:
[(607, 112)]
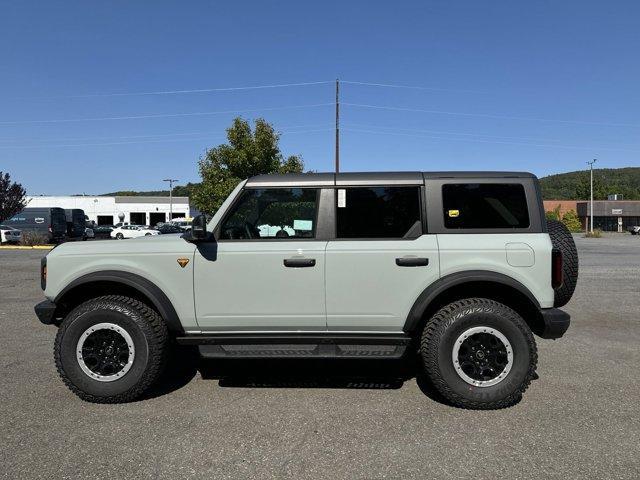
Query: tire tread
[(431, 337), (157, 338), (562, 240)]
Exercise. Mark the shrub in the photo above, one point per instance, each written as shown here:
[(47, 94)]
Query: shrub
[(34, 238), (553, 214), (572, 222), (597, 233)]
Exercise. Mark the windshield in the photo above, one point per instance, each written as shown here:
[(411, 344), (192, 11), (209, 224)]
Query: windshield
[(225, 205)]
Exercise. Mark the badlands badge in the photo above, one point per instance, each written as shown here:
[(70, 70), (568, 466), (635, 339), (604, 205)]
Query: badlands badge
[(183, 262)]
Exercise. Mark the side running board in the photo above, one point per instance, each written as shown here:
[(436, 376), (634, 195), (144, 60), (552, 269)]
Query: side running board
[(299, 345)]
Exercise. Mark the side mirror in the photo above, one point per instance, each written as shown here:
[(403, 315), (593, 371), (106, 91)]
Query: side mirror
[(199, 228)]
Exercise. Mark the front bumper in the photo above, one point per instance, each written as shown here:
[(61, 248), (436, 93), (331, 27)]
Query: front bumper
[(45, 312), (555, 322)]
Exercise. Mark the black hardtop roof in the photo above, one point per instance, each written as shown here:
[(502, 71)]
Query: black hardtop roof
[(371, 178)]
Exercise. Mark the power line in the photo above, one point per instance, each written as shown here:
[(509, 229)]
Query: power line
[(162, 115), (466, 134), (486, 115), (199, 90), (163, 140), (153, 135), (379, 132), (410, 87)]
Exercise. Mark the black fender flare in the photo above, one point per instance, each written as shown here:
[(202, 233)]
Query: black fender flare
[(443, 284), (147, 288)]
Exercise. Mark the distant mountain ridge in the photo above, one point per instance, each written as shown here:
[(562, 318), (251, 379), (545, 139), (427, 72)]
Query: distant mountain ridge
[(562, 186), (178, 191), (575, 185)]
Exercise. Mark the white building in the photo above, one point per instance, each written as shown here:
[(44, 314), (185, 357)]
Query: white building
[(111, 210)]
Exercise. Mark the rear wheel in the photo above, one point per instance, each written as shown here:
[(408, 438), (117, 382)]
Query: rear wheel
[(478, 353), (111, 349), (119, 236)]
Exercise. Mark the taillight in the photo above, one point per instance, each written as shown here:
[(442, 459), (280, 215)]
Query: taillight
[(43, 273), (556, 268)]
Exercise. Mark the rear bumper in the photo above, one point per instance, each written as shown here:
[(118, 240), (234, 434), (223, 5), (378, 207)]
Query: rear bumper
[(45, 312), (555, 322)]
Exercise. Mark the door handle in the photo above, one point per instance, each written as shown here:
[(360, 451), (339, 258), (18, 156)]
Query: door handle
[(412, 262), (299, 262)]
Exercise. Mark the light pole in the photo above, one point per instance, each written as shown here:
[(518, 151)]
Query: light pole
[(591, 203), (171, 181)]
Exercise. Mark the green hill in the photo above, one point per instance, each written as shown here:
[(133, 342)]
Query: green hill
[(178, 191), (575, 185)]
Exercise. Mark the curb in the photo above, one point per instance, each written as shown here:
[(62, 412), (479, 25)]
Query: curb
[(22, 247)]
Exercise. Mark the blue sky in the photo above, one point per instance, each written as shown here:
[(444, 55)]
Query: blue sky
[(540, 86)]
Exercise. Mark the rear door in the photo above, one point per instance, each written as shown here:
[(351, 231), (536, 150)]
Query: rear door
[(381, 259), (266, 271)]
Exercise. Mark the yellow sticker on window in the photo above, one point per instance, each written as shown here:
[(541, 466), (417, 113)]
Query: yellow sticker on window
[(454, 213)]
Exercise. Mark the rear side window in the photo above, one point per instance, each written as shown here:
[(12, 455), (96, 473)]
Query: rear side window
[(379, 212), (485, 205)]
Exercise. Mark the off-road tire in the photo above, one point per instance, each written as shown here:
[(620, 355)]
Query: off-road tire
[(436, 348), (148, 332), (562, 240)]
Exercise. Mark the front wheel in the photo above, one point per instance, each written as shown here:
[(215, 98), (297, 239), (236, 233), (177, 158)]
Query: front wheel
[(478, 353), (119, 236), (111, 349)]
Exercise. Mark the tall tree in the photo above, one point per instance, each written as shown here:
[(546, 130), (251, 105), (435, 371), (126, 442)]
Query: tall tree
[(11, 197), (247, 153)]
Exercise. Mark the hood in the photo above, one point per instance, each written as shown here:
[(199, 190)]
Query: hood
[(169, 243)]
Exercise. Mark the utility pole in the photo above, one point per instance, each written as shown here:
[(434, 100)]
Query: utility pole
[(337, 126), (591, 166), (171, 181)]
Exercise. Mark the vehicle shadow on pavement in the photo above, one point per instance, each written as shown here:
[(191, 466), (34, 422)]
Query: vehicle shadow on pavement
[(371, 374), (311, 373), (182, 367)]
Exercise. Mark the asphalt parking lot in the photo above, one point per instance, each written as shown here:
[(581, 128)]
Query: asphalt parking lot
[(580, 419)]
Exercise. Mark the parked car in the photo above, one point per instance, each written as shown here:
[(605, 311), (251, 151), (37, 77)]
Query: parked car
[(88, 233), (9, 234), (75, 223), (49, 222), (102, 231), (459, 269), (132, 231), (634, 230), (169, 228), (184, 223)]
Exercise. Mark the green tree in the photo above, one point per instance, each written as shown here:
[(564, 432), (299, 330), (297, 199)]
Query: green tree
[(11, 197), (246, 154), (572, 222)]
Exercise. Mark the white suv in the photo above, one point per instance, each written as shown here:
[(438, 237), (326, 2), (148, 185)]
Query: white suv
[(458, 268)]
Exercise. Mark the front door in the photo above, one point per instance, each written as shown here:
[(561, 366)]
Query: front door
[(266, 270)]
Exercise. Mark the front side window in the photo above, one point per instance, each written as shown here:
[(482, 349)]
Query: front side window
[(274, 213), (485, 205), (378, 212)]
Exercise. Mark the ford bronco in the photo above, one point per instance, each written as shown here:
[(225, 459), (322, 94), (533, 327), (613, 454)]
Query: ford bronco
[(460, 268)]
